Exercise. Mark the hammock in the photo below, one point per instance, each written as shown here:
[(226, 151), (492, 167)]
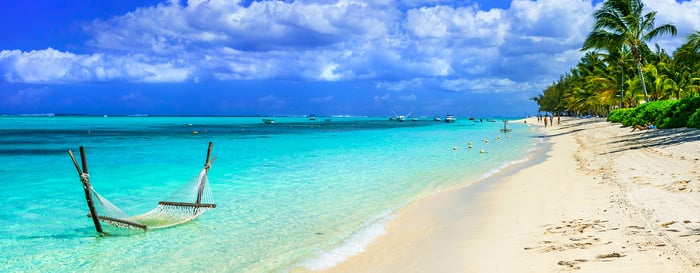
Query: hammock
[(183, 205)]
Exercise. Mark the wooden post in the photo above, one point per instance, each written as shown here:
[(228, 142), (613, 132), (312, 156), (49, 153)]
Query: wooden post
[(206, 166), (86, 186), (211, 144)]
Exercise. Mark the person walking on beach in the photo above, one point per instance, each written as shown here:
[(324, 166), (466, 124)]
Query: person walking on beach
[(545, 121), (551, 121), (558, 120)]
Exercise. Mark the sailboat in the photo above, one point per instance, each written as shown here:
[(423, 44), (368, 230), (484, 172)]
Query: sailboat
[(400, 118)]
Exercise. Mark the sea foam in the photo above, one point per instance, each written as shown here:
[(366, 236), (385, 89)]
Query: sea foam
[(355, 244)]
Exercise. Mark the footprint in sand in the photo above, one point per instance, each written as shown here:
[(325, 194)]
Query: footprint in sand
[(602, 257), (668, 224), (569, 264), (577, 227), (609, 255)]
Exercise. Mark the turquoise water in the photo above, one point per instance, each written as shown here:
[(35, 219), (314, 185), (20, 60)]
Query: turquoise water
[(294, 194)]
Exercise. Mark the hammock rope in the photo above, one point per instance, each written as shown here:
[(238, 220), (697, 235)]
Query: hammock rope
[(185, 204)]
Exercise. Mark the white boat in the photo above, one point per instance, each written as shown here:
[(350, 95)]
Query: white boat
[(399, 118), (268, 121), (450, 118)]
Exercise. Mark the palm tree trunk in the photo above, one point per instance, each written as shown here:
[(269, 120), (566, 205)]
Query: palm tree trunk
[(622, 85), (641, 77)]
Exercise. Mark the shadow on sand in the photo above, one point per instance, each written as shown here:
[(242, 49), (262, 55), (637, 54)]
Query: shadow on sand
[(632, 140), (570, 128), (654, 138)]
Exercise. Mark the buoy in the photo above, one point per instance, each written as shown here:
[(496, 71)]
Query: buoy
[(454, 148), (470, 143), (470, 146)]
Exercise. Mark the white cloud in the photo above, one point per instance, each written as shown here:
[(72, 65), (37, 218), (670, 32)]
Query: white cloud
[(36, 66), (399, 44), (683, 15), (328, 72), (492, 85), (462, 23), (53, 66), (552, 21), (262, 26)]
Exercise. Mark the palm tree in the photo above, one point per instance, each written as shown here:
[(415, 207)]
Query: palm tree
[(694, 41), (616, 60), (687, 63), (620, 24)]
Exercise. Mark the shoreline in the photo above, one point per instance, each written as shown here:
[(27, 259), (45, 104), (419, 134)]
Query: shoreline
[(580, 208), (470, 188)]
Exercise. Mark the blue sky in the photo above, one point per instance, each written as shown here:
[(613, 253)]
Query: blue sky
[(326, 57)]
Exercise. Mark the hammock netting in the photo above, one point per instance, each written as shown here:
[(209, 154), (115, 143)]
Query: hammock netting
[(183, 205)]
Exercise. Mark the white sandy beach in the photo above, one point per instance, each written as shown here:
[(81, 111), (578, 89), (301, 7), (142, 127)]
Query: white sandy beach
[(604, 200)]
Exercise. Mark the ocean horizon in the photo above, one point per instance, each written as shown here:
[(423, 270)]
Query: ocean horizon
[(442, 116), (298, 193)]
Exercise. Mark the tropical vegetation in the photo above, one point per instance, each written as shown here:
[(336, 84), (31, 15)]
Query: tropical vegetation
[(621, 76), (663, 114)]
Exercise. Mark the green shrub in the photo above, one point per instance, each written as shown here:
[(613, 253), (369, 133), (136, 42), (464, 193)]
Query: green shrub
[(618, 115), (679, 113), (649, 112), (694, 119), (614, 115), (664, 114)]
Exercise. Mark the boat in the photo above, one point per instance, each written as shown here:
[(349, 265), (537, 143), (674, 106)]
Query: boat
[(312, 117), (268, 121), (399, 118), (436, 118), (450, 118)]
